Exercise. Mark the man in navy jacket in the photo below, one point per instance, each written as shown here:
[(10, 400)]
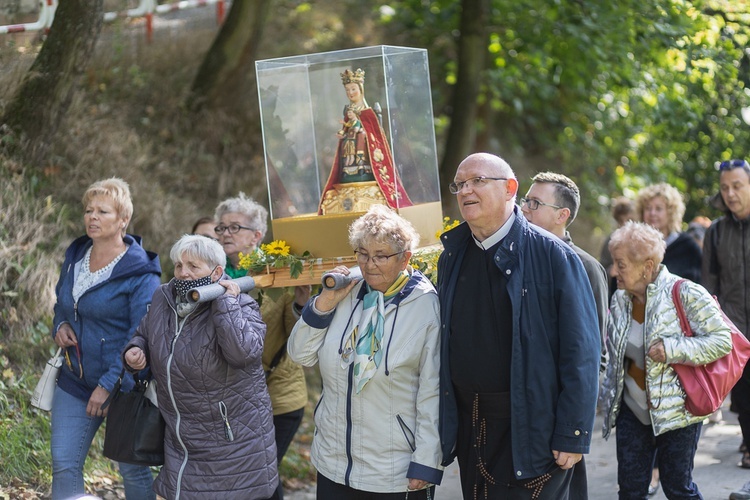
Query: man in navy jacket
[(520, 346)]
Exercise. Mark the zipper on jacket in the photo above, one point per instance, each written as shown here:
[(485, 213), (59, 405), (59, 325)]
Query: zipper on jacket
[(408, 434), (228, 434), (743, 226), (178, 419), (349, 460)]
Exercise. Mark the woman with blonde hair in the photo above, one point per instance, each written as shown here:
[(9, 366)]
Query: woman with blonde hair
[(104, 290), (661, 207), (641, 393)]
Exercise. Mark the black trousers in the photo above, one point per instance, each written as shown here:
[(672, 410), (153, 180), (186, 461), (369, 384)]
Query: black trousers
[(286, 426), (328, 490), (486, 462)]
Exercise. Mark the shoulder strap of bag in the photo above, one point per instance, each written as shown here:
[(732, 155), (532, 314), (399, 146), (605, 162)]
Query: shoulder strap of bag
[(684, 323), (276, 360)]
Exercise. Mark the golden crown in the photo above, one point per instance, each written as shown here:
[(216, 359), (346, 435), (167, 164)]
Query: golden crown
[(350, 76)]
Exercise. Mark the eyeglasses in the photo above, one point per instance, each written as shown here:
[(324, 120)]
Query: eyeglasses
[(474, 183), (732, 164), (534, 204), (378, 260), (70, 363), (232, 228)]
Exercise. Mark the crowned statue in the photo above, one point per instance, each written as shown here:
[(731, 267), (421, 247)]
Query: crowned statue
[(363, 172)]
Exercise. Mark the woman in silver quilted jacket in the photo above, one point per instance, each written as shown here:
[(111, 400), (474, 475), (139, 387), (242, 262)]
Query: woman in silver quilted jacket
[(641, 394), (206, 359)]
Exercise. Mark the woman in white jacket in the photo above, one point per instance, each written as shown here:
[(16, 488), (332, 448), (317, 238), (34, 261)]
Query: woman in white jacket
[(377, 343)]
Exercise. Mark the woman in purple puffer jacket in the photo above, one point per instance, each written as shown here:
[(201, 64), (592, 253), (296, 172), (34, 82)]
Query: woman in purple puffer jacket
[(206, 359)]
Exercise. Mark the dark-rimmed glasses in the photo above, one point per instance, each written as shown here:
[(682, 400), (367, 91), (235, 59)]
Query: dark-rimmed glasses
[(232, 228), (732, 164), (534, 204), (474, 182), (378, 260)]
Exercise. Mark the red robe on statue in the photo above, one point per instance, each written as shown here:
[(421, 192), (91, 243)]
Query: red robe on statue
[(380, 159)]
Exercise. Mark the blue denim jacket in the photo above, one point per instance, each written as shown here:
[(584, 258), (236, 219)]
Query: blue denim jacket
[(556, 345), (105, 317)]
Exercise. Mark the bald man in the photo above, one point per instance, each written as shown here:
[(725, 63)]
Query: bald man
[(520, 346)]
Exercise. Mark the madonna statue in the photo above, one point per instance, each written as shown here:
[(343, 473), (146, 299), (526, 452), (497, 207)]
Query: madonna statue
[(363, 172)]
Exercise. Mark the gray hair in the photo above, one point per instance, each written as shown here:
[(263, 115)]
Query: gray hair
[(641, 241), (382, 225), (256, 213), (205, 249)]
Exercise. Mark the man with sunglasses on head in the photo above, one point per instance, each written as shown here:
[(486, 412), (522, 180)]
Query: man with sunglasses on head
[(520, 346), (726, 274)]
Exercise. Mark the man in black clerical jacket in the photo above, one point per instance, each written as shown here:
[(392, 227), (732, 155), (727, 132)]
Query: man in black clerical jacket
[(520, 346)]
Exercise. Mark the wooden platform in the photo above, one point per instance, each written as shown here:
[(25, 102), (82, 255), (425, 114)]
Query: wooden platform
[(310, 275)]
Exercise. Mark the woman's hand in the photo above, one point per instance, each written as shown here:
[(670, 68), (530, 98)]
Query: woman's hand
[(135, 358), (657, 352), (328, 299), (65, 337), (302, 294), (97, 399), (232, 287), (417, 484)]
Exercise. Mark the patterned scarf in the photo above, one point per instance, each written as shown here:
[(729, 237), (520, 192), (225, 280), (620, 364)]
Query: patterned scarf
[(368, 336)]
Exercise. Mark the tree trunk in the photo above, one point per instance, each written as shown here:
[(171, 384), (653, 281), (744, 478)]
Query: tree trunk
[(472, 47), (229, 63), (37, 110)]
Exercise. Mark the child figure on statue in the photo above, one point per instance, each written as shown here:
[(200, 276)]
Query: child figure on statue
[(348, 134)]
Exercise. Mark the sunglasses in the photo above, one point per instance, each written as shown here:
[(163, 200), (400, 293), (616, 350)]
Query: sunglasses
[(732, 164), (70, 363)]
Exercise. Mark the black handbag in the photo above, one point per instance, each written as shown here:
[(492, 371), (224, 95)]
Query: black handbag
[(135, 428)]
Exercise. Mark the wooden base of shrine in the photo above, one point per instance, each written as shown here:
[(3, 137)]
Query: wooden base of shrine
[(310, 275)]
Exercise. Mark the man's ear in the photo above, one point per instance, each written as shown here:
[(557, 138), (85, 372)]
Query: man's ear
[(512, 187), (216, 274), (562, 216)]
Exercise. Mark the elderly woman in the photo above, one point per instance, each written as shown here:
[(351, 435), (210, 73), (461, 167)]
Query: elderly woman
[(105, 286), (661, 207), (205, 358), (641, 393), (242, 226), (377, 344)]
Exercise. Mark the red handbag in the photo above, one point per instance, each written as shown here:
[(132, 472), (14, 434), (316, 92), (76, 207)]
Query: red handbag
[(706, 386)]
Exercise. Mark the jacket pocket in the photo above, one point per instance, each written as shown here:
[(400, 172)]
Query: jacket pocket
[(408, 434), (228, 434), (315, 412)]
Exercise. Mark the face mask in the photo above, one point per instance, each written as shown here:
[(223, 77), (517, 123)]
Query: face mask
[(183, 286)]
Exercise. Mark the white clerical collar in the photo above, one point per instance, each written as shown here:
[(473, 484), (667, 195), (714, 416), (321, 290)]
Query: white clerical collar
[(499, 234)]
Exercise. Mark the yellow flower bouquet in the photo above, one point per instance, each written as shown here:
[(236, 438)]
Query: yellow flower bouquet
[(275, 255)]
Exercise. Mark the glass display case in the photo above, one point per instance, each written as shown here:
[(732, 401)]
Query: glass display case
[(344, 130)]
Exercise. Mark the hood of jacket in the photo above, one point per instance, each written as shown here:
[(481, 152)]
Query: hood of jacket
[(136, 261)]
